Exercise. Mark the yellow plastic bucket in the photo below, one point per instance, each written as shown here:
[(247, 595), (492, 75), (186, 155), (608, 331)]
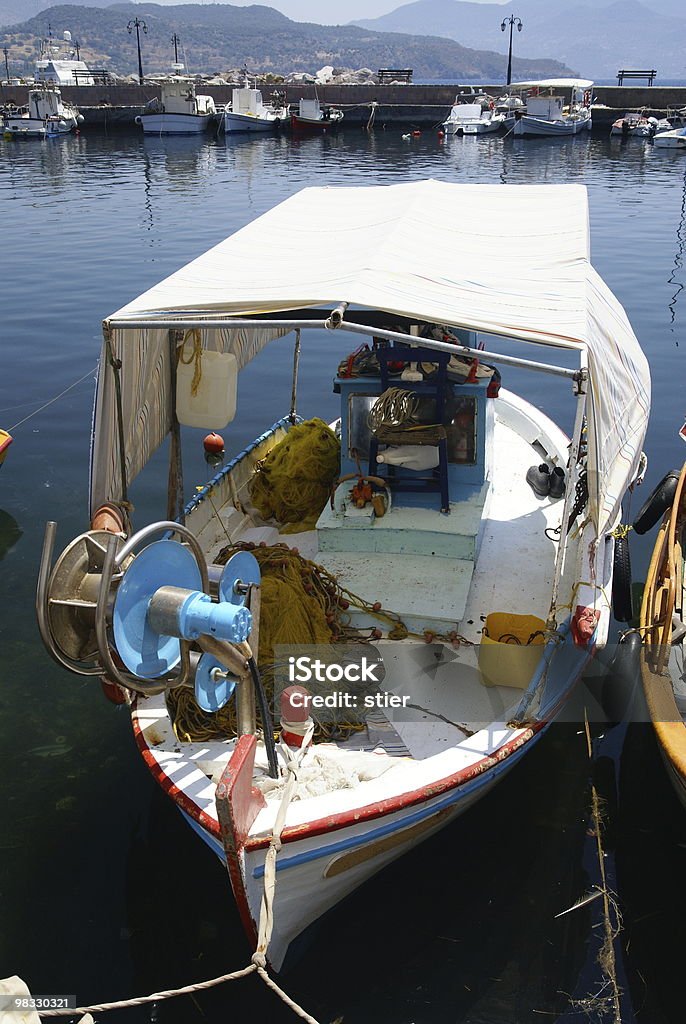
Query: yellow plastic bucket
[(510, 649)]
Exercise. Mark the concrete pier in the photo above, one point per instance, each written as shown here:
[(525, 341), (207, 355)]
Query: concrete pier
[(115, 107)]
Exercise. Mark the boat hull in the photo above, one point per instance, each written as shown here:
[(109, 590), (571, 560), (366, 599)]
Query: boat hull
[(248, 123), (670, 140), (661, 672), (174, 124), (36, 127), (538, 127), (314, 126)]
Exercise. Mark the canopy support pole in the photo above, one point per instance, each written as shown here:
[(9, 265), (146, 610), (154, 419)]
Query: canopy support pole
[(116, 369), (572, 477), (354, 328), (294, 388), (175, 478)]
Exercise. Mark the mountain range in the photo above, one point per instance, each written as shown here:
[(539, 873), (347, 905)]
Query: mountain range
[(215, 37), (597, 40)]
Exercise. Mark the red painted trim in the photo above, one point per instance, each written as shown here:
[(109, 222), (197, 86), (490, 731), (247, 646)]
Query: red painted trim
[(170, 788), (381, 808), (238, 802), (209, 824)]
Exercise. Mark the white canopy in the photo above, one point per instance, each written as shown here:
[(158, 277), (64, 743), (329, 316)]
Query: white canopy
[(555, 83), (503, 259)]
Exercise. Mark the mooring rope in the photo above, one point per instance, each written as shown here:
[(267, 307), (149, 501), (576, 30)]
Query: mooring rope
[(258, 964), (50, 402)]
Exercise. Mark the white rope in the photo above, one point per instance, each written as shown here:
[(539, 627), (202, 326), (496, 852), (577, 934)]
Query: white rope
[(46, 404), (266, 924), (121, 1004), (286, 998)]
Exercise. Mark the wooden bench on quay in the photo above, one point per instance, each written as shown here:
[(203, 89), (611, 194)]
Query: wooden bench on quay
[(388, 75), (650, 75)]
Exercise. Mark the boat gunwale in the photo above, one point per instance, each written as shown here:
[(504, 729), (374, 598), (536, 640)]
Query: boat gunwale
[(666, 719)]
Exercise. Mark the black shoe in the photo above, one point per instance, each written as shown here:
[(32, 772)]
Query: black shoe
[(557, 482), (538, 478)]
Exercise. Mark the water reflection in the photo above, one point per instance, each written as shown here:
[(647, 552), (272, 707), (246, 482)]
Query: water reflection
[(10, 532), (674, 277)]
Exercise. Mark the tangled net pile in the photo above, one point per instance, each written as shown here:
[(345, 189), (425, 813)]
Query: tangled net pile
[(301, 603), (293, 483)]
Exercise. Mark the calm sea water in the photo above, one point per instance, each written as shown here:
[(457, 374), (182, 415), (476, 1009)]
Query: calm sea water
[(104, 891)]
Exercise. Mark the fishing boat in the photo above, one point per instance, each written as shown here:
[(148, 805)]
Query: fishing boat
[(673, 139), (663, 627), (548, 113), (5, 442), (249, 113), (471, 119), (45, 114), (311, 116), (179, 110), (413, 590)]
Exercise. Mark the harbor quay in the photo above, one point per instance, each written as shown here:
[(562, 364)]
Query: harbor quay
[(115, 107)]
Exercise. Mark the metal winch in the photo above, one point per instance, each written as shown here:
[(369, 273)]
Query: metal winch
[(140, 612)]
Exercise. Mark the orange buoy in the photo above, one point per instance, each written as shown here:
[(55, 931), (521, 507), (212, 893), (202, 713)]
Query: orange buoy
[(213, 444)]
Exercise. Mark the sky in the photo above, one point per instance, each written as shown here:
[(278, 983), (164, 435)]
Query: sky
[(324, 12)]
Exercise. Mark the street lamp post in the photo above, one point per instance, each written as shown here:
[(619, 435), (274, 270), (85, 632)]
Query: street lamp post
[(137, 24), (511, 21)]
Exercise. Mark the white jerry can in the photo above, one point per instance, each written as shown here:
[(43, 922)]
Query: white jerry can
[(214, 403)]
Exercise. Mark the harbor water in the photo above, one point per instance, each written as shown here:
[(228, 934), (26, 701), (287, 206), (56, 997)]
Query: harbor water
[(105, 892)]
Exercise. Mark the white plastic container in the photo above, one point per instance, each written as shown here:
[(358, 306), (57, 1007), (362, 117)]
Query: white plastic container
[(410, 456), (214, 403)]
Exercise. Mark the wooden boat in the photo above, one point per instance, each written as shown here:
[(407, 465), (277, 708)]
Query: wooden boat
[(547, 111), (423, 541), (663, 626), (180, 110), (312, 117), (5, 442), (249, 113), (45, 114)]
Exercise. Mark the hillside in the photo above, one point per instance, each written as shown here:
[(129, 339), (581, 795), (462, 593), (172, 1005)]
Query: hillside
[(597, 41), (218, 36)]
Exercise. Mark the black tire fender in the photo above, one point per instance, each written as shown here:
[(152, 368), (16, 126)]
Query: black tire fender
[(622, 604), (657, 504)]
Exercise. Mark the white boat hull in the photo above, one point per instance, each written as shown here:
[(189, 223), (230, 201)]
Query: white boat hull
[(671, 140), (174, 124), (535, 126), (38, 127), (249, 123), (473, 127)]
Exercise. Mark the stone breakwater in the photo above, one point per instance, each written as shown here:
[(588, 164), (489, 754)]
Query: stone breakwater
[(113, 107)]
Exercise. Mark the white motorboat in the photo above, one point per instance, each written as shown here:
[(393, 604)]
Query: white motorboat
[(59, 63), (45, 114), (311, 116), (249, 113), (634, 124), (548, 113), (179, 110), (428, 572), (471, 119), (673, 139)]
